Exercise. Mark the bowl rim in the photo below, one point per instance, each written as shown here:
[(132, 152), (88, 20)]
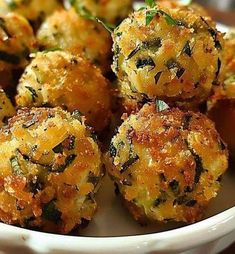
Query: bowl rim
[(184, 238)]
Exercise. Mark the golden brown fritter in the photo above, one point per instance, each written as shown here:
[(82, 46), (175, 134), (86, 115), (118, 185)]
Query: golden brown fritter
[(221, 106), (229, 69), (69, 31), (33, 10), (167, 165), (6, 108), (168, 53), (17, 41), (111, 11), (50, 169), (58, 78)]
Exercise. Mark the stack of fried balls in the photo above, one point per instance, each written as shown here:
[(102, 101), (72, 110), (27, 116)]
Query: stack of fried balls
[(162, 76)]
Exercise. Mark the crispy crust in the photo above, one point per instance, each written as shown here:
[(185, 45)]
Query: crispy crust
[(69, 31), (6, 108), (50, 169), (169, 164), (17, 41), (175, 62), (60, 79)]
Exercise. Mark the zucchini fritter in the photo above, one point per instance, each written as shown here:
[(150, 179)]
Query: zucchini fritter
[(6, 108), (229, 69), (58, 78), (168, 53), (167, 165), (69, 31), (221, 106), (17, 41), (50, 169), (33, 10), (111, 11)]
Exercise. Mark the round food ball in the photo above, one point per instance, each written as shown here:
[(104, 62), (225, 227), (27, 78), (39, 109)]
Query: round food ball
[(221, 106), (58, 78), (33, 10), (111, 11), (167, 165), (69, 31), (6, 108), (229, 66), (17, 41), (50, 169), (168, 53)]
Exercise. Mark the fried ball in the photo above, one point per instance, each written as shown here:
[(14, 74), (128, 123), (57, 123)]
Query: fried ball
[(168, 53), (111, 11), (58, 78), (168, 164), (16, 42), (33, 10), (229, 69), (221, 106), (69, 31), (6, 108), (49, 172)]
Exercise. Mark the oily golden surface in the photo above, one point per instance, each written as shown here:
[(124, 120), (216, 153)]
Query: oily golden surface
[(17, 41), (167, 165), (176, 57), (58, 78), (221, 106), (69, 31), (33, 10), (111, 11), (229, 82), (6, 108), (50, 167)]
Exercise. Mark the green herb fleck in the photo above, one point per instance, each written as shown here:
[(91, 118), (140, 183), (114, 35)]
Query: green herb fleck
[(85, 13), (33, 92), (51, 49), (150, 3), (16, 169), (12, 5), (174, 185), (157, 76), (161, 105), (141, 63), (50, 212), (68, 160), (150, 14), (129, 163), (76, 114), (187, 49), (112, 150), (141, 8), (160, 200), (168, 18)]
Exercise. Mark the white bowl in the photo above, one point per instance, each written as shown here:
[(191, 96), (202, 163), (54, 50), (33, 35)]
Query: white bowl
[(114, 231)]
